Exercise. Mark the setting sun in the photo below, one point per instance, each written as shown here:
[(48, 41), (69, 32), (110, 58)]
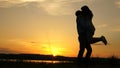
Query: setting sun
[(48, 27), (52, 49), (55, 51)]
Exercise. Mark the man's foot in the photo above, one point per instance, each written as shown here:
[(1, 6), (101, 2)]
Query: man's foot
[(104, 40)]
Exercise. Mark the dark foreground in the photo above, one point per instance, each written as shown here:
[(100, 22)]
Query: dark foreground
[(19, 61), (54, 65)]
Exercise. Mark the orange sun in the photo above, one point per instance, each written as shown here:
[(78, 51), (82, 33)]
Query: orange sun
[(55, 51), (52, 50)]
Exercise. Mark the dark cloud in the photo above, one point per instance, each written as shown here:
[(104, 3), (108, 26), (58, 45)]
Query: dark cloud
[(6, 50)]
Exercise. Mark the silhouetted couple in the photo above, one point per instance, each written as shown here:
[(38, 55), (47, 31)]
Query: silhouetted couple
[(86, 30)]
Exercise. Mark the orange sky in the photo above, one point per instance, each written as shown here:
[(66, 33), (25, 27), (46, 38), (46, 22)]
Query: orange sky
[(49, 27)]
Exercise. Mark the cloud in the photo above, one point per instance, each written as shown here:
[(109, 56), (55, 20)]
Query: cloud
[(7, 50), (9, 3), (102, 26), (118, 3), (117, 30), (21, 42), (53, 7)]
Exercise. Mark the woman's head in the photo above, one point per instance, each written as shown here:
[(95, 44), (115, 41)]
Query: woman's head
[(86, 11), (85, 8)]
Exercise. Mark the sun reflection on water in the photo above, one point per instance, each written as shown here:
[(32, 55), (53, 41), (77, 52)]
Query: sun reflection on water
[(36, 61)]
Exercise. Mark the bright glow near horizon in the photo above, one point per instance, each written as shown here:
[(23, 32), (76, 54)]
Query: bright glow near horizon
[(49, 26)]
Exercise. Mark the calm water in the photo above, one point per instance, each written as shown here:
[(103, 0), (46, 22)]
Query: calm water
[(36, 61)]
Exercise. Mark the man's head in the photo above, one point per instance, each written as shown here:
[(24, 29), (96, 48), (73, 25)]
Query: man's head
[(78, 12)]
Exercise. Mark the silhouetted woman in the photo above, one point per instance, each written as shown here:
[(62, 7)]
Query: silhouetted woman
[(86, 31)]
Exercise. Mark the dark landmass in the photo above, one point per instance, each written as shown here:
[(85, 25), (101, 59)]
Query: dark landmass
[(35, 57), (112, 62)]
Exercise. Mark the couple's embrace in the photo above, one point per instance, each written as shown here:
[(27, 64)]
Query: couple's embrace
[(86, 30)]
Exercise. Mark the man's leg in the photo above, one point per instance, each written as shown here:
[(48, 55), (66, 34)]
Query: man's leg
[(80, 54), (89, 51), (87, 60), (82, 48)]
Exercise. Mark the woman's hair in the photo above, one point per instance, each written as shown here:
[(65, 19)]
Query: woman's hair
[(86, 11), (85, 8)]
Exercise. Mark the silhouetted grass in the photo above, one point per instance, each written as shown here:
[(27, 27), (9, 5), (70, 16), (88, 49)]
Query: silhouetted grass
[(51, 65), (112, 62), (35, 65)]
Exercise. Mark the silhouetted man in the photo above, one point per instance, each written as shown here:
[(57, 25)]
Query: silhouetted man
[(86, 30)]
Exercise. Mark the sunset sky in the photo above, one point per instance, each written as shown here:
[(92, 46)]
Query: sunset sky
[(49, 26)]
